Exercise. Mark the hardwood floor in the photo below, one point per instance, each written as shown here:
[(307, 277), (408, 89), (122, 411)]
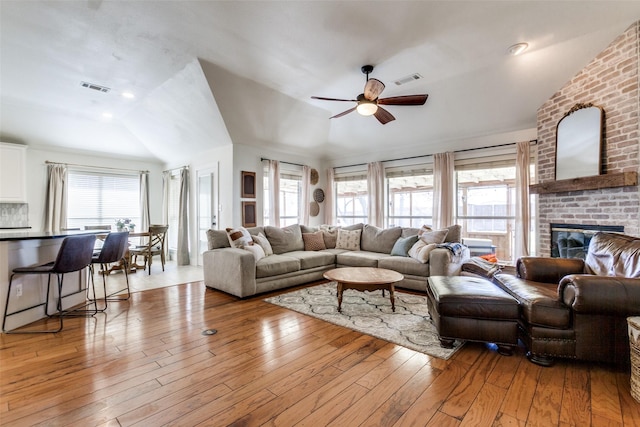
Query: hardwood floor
[(146, 362)]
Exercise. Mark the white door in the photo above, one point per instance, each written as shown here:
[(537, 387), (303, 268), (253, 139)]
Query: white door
[(207, 212)]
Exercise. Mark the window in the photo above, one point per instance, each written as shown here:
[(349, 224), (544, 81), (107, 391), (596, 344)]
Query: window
[(100, 198), (290, 192), (410, 194), (352, 201), (486, 204)]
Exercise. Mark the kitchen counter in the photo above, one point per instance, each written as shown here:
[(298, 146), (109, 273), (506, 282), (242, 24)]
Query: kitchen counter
[(37, 235)]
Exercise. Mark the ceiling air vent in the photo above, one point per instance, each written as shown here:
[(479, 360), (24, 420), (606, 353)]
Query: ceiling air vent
[(94, 86), (408, 79)]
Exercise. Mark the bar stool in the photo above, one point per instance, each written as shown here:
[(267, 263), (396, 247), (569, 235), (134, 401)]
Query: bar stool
[(113, 250), (74, 255)]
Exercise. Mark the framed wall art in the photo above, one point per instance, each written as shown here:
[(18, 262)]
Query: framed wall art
[(249, 214), (248, 185)]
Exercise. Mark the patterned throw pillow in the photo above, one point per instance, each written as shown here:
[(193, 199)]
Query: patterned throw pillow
[(313, 241), (348, 239), (239, 237), (262, 240), (420, 251)]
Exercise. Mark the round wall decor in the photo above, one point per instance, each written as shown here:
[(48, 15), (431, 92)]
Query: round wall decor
[(314, 177), (318, 195), (314, 208)]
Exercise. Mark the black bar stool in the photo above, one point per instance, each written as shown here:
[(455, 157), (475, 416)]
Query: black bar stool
[(113, 250), (74, 255)]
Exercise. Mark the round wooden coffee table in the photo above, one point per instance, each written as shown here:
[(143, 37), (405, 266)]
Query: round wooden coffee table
[(364, 279)]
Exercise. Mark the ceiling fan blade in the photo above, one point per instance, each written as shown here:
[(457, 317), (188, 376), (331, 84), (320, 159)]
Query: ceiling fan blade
[(383, 116), (373, 89), (332, 99), (404, 100), (344, 113)]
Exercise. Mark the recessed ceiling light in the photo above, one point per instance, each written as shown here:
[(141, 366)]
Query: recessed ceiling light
[(128, 95), (107, 115), (517, 49)]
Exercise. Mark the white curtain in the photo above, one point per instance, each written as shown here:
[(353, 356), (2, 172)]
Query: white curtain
[(304, 194), (182, 253), (375, 188), (274, 194), (443, 190), (166, 194), (144, 201), (55, 217), (523, 218), (329, 209)]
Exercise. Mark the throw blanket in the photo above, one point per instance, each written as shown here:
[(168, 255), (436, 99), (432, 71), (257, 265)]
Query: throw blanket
[(455, 248)]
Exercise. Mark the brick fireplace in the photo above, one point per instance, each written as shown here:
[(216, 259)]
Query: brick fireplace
[(610, 81)]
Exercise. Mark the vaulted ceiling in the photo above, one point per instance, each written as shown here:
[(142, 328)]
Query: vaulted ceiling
[(210, 73)]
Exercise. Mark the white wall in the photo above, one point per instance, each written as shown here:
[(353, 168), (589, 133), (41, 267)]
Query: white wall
[(37, 179)]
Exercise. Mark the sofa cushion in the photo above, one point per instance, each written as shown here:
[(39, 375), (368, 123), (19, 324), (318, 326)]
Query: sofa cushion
[(360, 259), (357, 226), (313, 241), (403, 244), (454, 235), (376, 239), (407, 266), (261, 239), (436, 236), (539, 302), (275, 265), (348, 239), (313, 259), (217, 239), (239, 237), (285, 239)]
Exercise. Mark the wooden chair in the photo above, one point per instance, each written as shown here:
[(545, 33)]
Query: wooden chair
[(155, 246)]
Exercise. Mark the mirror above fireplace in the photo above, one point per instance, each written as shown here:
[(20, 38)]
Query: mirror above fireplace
[(579, 141)]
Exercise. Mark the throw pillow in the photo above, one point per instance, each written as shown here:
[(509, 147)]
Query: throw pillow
[(330, 235), (420, 251), (256, 250), (348, 239), (424, 229), (239, 237), (437, 236), (261, 240), (403, 244), (313, 241)]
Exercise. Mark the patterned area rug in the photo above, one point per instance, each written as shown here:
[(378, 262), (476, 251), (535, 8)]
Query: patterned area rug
[(370, 313)]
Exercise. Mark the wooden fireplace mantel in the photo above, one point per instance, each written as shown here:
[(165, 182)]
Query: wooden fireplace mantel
[(596, 182)]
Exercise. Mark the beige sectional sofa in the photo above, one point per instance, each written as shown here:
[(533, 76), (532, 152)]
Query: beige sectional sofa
[(238, 271)]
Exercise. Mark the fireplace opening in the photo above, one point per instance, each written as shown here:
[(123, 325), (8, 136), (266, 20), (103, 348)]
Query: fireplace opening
[(572, 240)]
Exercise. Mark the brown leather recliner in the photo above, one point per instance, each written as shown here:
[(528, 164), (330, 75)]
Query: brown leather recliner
[(572, 308)]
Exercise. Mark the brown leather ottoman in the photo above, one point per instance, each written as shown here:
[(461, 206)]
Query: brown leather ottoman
[(473, 309)]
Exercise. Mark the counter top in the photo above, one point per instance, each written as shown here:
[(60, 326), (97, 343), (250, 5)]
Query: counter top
[(35, 235)]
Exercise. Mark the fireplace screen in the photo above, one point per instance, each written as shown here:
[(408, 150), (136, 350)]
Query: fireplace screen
[(572, 240)]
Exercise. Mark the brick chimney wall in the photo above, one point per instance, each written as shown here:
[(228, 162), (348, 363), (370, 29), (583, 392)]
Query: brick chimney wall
[(610, 81)]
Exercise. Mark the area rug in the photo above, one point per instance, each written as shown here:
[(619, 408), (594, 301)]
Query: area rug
[(370, 313)]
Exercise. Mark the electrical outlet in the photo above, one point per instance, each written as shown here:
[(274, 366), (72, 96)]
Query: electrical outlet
[(19, 290)]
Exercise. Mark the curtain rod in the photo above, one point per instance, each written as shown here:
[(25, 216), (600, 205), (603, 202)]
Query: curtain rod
[(94, 167), (289, 163), (175, 169), (532, 141)]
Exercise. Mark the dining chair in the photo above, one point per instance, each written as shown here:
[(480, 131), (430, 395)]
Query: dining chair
[(155, 246), (113, 250), (74, 255)]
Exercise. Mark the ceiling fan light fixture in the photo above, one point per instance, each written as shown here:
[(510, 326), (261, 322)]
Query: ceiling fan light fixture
[(367, 108)]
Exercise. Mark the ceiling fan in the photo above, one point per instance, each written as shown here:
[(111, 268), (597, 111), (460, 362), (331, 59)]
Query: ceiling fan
[(369, 103)]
